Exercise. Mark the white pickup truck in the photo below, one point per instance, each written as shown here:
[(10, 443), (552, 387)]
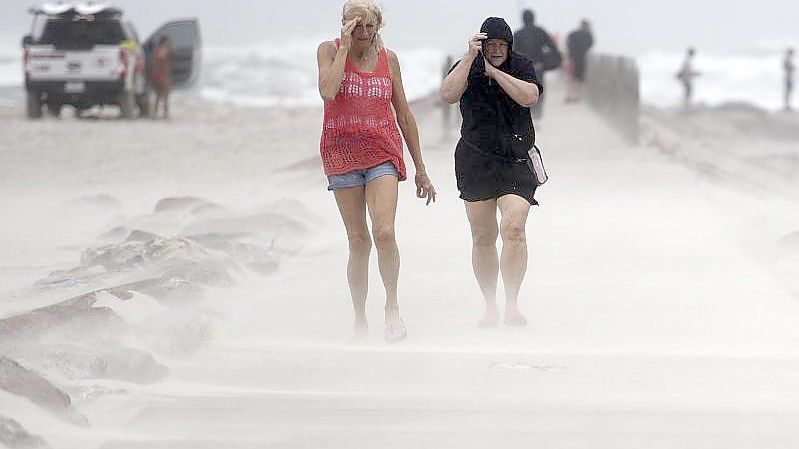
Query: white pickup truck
[(87, 54)]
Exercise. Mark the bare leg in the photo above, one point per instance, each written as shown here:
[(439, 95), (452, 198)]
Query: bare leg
[(157, 102), (381, 198), (688, 94), (571, 88), (513, 262), (352, 206), (485, 261), (166, 103)]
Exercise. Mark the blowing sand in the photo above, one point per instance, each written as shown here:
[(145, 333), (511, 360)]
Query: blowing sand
[(208, 262)]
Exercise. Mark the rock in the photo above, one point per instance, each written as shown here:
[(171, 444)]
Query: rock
[(14, 436), (79, 362), (135, 253), (75, 319), (116, 234), (178, 333), (267, 223), (181, 203), (256, 257), (102, 201), (138, 235), (18, 380)]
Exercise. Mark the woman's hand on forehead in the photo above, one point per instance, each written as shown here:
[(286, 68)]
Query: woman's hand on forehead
[(363, 23)]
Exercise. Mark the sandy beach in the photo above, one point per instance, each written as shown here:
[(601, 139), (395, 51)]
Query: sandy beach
[(180, 284)]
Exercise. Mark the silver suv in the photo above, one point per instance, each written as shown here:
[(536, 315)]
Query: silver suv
[(88, 54)]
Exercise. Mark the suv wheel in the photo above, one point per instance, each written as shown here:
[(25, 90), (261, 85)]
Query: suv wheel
[(34, 104), (127, 105), (54, 109)]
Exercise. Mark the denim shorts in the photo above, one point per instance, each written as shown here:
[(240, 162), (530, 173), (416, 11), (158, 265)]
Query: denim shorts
[(357, 178)]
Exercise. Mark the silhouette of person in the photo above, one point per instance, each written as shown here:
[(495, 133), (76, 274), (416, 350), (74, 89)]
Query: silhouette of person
[(578, 42), (536, 44), (446, 108), (788, 68), (686, 76), (161, 75)]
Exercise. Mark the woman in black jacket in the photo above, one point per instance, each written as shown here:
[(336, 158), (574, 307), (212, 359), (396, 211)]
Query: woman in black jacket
[(496, 88)]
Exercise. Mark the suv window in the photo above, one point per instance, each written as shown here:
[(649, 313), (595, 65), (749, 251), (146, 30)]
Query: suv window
[(81, 34), (181, 35)]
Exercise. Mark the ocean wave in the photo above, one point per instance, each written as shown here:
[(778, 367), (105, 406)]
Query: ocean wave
[(285, 74), (10, 66), (754, 77)]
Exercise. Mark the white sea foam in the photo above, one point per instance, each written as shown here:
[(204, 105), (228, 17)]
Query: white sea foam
[(754, 77), (286, 74), (268, 74)]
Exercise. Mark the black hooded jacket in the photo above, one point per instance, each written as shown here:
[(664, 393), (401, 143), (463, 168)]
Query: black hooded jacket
[(490, 159), (491, 118)]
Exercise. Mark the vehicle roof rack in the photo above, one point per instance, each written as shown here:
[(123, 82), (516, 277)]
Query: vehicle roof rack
[(71, 9)]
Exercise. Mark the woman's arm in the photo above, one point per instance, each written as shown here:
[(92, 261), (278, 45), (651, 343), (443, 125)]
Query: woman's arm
[(410, 132), (331, 62), (521, 91), (455, 83)]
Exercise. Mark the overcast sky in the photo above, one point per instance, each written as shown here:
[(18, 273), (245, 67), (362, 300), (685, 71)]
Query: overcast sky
[(622, 26)]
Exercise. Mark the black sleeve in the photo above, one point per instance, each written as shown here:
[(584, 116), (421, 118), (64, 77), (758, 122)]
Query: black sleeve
[(526, 72), (453, 66)]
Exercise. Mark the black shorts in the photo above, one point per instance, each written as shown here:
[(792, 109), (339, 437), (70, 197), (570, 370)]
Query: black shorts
[(578, 68), (482, 176)]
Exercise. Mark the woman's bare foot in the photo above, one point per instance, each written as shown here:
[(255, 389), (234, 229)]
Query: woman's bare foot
[(360, 329), (395, 330), (395, 327), (514, 317), (490, 318)]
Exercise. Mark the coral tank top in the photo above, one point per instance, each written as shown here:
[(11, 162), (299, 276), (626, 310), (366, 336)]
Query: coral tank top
[(359, 128)]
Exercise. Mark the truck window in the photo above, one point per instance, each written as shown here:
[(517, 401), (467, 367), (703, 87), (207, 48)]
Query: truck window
[(81, 34)]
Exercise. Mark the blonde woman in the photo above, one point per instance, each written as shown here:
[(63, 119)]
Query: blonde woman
[(361, 150)]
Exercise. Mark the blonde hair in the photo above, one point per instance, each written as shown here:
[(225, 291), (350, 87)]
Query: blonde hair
[(369, 11)]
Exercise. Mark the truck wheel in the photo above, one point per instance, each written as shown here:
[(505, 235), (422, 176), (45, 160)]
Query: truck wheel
[(54, 109), (34, 106), (127, 105)]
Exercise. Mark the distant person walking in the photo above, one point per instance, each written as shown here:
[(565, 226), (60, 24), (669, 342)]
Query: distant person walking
[(578, 42), (536, 44), (788, 68), (495, 91), (161, 75), (361, 150), (686, 77), (446, 108)]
